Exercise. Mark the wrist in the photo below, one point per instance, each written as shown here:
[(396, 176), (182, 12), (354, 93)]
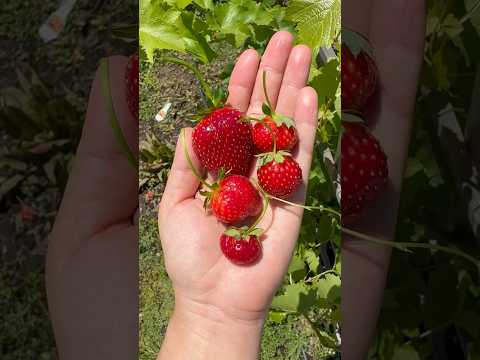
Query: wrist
[(205, 331)]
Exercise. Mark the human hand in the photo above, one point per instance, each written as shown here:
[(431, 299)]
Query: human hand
[(396, 30), (219, 305), (92, 260)]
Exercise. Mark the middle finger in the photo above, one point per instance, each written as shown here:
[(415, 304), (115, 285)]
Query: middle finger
[(273, 62)]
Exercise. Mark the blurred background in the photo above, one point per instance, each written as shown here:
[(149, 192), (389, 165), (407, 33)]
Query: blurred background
[(44, 89)]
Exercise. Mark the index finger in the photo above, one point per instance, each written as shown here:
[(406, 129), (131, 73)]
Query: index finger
[(242, 80)]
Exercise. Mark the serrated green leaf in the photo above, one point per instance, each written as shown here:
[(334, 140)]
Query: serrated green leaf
[(296, 264), (297, 298), (312, 260), (328, 80), (318, 21)]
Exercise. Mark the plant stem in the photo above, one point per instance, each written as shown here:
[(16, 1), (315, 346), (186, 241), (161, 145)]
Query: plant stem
[(206, 89), (264, 80), (470, 13), (331, 271), (404, 246), (306, 207), (190, 163), (266, 201), (112, 117)]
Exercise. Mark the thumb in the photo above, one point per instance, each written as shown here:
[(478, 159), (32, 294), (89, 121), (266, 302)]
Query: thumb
[(102, 187)]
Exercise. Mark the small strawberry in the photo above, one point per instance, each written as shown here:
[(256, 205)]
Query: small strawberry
[(26, 213), (131, 79), (241, 247), (285, 135), (359, 72), (364, 170), (223, 140), (279, 174), (235, 199), (273, 126), (149, 195)]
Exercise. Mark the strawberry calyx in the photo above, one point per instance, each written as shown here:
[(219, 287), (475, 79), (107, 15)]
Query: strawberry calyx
[(243, 233), (212, 188), (277, 156), (356, 43)]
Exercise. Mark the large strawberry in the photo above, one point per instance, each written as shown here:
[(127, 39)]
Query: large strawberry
[(279, 174), (235, 199), (359, 72), (132, 88), (364, 169), (223, 140)]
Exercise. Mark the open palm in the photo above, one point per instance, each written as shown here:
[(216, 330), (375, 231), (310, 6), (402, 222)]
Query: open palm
[(190, 236)]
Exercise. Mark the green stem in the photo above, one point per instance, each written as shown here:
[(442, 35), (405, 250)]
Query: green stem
[(206, 89), (331, 271), (307, 207), (470, 13), (190, 163), (266, 201), (404, 246), (112, 117), (264, 81)]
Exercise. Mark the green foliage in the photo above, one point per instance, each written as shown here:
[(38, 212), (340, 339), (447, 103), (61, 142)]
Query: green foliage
[(156, 158), (431, 295), (47, 128), (191, 26), (317, 22)]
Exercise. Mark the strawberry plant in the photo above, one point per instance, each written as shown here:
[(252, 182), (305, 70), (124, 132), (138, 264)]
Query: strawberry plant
[(311, 289), (430, 310)]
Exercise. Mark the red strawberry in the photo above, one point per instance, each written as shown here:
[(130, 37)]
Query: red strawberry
[(241, 250), (364, 170), (279, 175), (222, 140), (235, 199), (131, 79), (285, 135), (359, 72)]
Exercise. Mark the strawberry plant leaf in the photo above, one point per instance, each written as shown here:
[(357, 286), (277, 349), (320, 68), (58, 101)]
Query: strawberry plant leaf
[(318, 22), (298, 297)]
